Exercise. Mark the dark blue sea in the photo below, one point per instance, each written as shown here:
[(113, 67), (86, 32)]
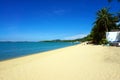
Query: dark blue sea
[(9, 50)]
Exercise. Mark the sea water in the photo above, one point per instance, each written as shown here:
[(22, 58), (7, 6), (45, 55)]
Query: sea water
[(10, 50)]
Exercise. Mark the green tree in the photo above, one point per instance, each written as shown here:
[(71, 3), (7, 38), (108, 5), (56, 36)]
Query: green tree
[(118, 14), (112, 0), (105, 21)]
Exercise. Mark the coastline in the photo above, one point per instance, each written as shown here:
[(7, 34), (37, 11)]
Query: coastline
[(19, 49), (77, 62)]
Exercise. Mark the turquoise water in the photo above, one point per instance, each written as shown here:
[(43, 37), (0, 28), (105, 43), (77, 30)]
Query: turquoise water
[(10, 50)]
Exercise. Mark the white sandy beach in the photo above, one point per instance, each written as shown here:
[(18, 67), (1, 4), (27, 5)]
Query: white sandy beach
[(79, 62)]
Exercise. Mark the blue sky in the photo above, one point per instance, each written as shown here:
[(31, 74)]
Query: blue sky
[(35, 20)]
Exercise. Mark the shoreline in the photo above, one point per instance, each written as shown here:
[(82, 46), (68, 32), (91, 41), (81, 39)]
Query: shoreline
[(77, 62), (30, 57), (35, 53)]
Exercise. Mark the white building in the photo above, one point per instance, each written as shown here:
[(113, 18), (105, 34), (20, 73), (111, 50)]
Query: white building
[(113, 36)]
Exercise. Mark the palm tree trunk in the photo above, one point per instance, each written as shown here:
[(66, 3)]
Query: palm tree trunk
[(106, 27)]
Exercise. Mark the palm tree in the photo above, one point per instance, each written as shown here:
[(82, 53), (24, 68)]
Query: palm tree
[(112, 0), (118, 14), (105, 22)]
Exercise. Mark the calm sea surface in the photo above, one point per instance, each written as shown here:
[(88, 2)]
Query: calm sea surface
[(10, 50)]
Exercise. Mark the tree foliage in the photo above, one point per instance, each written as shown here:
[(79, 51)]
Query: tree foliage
[(105, 22), (112, 0)]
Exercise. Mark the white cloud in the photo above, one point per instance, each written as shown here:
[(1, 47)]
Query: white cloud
[(75, 36)]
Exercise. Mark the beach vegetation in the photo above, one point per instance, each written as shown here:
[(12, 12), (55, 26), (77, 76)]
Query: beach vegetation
[(105, 21), (112, 0)]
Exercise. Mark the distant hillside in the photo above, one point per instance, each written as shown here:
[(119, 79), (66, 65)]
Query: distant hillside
[(75, 40)]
